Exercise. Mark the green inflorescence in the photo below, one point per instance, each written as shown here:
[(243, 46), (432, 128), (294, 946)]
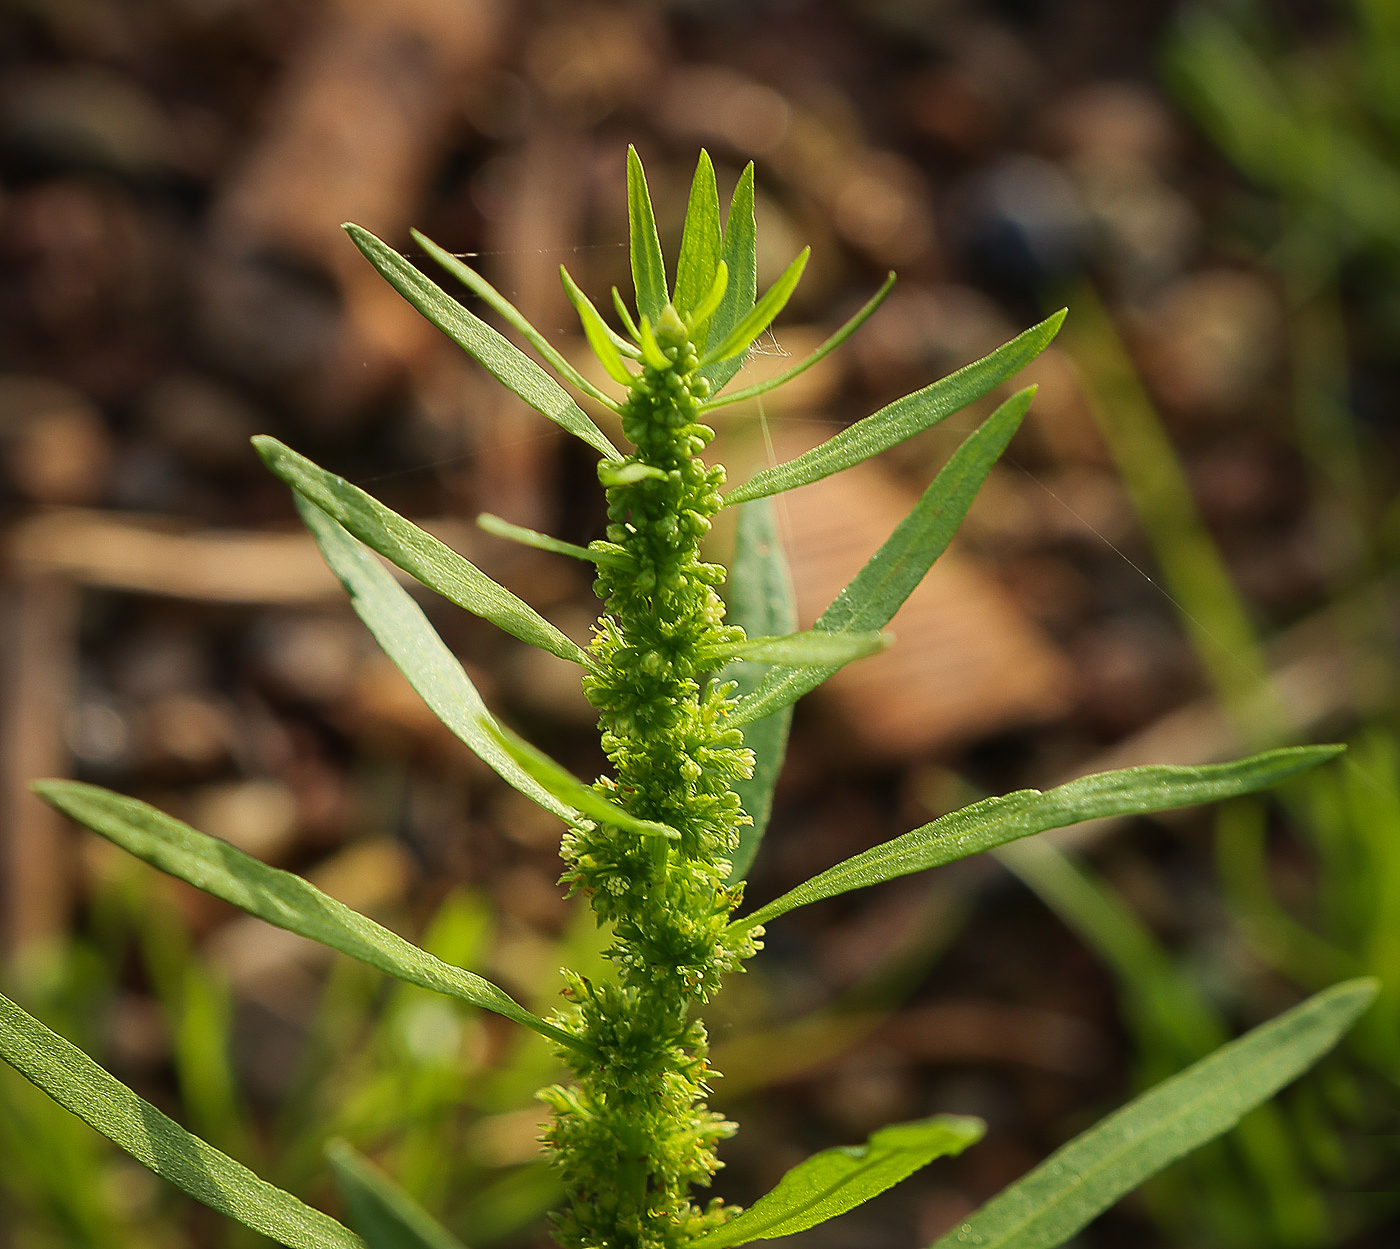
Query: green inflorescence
[(634, 1133)]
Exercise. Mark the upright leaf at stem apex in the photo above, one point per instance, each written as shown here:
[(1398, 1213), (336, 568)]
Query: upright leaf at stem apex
[(648, 268)]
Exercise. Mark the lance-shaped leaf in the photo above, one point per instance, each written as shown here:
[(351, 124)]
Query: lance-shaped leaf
[(826, 348), (903, 418), (404, 634), (595, 329), (1075, 1184), (870, 601), (700, 240), (377, 1208), (97, 1097), (995, 821), (418, 553), (278, 897), (496, 354), (740, 255), (648, 268), (760, 601), (815, 648), (542, 541), (837, 1180), (761, 315), (512, 315), (565, 786)]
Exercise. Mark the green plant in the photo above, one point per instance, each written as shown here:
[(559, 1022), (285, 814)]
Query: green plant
[(654, 846)]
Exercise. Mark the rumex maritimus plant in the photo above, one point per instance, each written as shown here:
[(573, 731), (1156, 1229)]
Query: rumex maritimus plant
[(660, 846)]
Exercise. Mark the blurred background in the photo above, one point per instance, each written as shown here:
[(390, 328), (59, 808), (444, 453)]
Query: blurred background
[(1190, 552)]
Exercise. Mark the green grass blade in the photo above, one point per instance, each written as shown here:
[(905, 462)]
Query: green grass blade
[(648, 267), (505, 362), (740, 254), (837, 1180), (903, 418), (996, 821), (700, 240), (512, 315), (278, 897), (565, 786), (80, 1086), (760, 601), (873, 596), (826, 348), (1174, 1024), (385, 1215), (1074, 1185), (404, 634), (814, 648), (761, 315), (418, 553)]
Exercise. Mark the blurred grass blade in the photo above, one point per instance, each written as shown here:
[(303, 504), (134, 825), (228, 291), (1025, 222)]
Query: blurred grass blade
[(826, 348), (814, 648), (761, 315), (278, 897), (1173, 1024), (903, 418), (873, 596), (420, 554), (512, 315), (565, 786), (595, 329), (499, 357), (995, 821), (377, 1208), (740, 255), (760, 601), (648, 267), (404, 634), (80, 1086), (700, 240), (1050, 1204), (837, 1180)]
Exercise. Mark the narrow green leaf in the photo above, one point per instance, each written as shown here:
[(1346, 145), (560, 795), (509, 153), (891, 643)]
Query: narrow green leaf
[(903, 418), (651, 349), (418, 553), (620, 305), (706, 308), (627, 474), (512, 315), (700, 241), (760, 601), (278, 897), (761, 315), (995, 821), (595, 330), (826, 348), (496, 354), (815, 648), (541, 541), (102, 1101), (565, 786), (837, 1180), (873, 596), (404, 634), (385, 1215), (1075, 1184), (741, 257), (648, 268)]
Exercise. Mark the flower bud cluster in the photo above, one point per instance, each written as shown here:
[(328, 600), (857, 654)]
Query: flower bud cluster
[(633, 1133)]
